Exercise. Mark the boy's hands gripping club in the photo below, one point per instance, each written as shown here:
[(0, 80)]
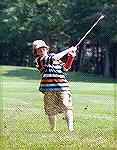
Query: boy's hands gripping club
[(72, 52)]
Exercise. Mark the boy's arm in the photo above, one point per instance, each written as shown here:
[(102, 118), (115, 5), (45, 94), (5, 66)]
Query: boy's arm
[(63, 53), (39, 63)]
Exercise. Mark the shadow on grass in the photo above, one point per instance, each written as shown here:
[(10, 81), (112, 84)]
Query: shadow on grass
[(25, 73), (33, 74)]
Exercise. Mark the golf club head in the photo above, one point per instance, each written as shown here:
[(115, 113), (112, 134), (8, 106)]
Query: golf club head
[(102, 16)]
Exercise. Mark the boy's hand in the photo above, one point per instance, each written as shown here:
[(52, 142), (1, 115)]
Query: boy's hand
[(72, 51)]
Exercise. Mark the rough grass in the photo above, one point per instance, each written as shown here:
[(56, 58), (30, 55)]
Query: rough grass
[(25, 126)]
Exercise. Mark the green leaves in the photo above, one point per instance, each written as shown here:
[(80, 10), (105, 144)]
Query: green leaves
[(55, 21)]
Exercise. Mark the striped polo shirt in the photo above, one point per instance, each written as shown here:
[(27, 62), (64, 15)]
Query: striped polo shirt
[(53, 78)]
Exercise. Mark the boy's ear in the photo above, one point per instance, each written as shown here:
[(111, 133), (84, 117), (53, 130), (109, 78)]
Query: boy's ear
[(48, 49)]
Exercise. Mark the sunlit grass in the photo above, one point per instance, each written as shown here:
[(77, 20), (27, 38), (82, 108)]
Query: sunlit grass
[(26, 127)]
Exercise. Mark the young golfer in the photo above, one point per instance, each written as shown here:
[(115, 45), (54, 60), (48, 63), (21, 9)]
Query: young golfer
[(57, 95)]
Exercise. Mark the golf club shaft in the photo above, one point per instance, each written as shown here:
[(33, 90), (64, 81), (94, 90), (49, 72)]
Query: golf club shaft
[(101, 17)]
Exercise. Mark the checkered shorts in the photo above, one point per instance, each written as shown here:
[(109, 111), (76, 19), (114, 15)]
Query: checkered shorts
[(57, 102)]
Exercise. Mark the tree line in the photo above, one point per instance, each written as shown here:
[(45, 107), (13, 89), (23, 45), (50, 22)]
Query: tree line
[(61, 23)]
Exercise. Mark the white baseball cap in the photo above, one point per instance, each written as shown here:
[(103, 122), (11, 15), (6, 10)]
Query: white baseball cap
[(39, 43)]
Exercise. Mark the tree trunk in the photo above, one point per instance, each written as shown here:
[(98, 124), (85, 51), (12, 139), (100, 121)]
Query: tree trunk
[(107, 64), (77, 60), (97, 59), (114, 58)]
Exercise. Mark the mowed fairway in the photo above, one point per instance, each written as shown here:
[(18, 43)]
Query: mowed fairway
[(26, 127)]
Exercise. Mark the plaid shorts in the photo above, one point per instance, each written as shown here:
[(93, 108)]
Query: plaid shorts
[(57, 102)]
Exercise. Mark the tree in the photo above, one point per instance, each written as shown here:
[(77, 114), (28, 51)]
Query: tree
[(60, 23)]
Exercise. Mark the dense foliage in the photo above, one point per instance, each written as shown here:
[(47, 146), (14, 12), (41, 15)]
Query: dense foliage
[(60, 23)]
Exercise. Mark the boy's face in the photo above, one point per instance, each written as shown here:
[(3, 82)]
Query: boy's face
[(42, 51)]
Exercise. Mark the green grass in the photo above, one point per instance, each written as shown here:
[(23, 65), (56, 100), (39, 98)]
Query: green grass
[(25, 126)]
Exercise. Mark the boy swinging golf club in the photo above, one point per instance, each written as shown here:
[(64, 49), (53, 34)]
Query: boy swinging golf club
[(57, 95)]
